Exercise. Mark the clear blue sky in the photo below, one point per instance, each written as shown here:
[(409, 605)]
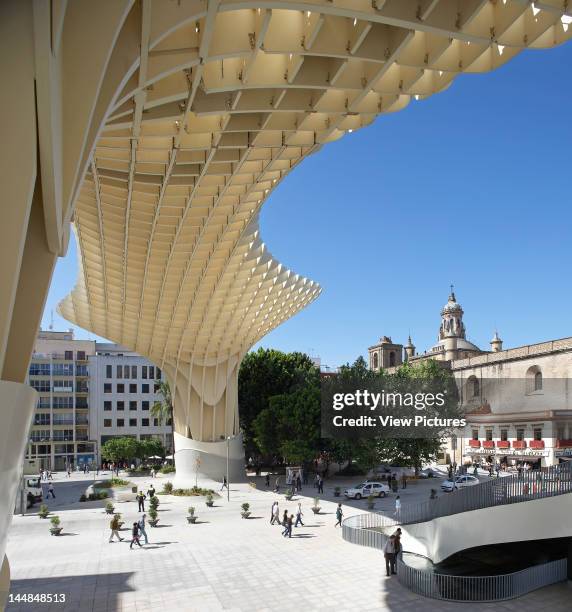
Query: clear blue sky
[(471, 187)]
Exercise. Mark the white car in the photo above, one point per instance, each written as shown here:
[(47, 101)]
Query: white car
[(459, 482), (367, 488)]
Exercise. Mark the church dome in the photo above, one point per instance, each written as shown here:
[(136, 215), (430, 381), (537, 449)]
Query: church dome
[(452, 305)]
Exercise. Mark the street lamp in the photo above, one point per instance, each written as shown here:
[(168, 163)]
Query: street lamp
[(227, 470)]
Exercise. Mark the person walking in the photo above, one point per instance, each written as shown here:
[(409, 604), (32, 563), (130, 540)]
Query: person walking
[(321, 485), (299, 515), (403, 481), (397, 543), (316, 480), (135, 536), (289, 523), (267, 479), (142, 529), (114, 526), (389, 555), (273, 512), (397, 507), (141, 497), (224, 483), (51, 491), (339, 515), (299, 483), (153, 472), (151, 492), (276, 515)]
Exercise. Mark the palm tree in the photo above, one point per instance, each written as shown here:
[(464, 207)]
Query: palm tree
[(163, 410)]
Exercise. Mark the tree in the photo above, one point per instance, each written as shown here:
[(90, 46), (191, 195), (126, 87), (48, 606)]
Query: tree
[(120, 449), (263, 374), (150, 447), (163, 410), (290, 425)]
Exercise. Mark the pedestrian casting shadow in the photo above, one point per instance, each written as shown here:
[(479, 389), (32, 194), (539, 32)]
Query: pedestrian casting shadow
[(202, 522), (67, 534), (161, 526), (304, 535), (252, 518), (319, 525)]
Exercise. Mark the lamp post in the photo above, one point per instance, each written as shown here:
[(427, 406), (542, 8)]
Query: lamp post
[(227, 468)]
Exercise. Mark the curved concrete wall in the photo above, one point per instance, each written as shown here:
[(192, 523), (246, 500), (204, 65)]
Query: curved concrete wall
[(17, 406), (212, 460), (531, 520)]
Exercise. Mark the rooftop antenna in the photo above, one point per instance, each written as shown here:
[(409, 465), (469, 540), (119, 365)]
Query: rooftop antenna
[(51, 327)]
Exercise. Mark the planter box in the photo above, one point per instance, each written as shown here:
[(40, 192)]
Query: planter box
[(474, 443), (536, 444), (245, 515), (519, 444), (488, 444), (563, 443), (503, 444), (192, 519), (210, 504), (56, 530), (153, 523), (316, 510)]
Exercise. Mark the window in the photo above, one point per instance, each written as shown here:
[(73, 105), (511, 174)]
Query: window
[(489, 435), (504, 435), (475, 434), (63, 385), (474, 387), (68, 355), (44, 402), (520, 434), (108, 371), (537, 433), (145, 388), (63, 449), (145, 405), (143, 371), (158, 374), (107, 422), (120, 388), (155, 422), (40, 435), (43, 386), (533, 380), (121, 405), (81, 402), (63, 418), (375, 361), (81, 355), (132, 422), (41, 419), (81, 370), (107, 405), (120, 422), (145, 422), (126, 371), (156, 388), (62, 369), (133, 405), (63, 402), (151, 372), (133, 388), (119, 371), (107, 387), (39, 369), (63, 435), (134, 371), (391, 359)]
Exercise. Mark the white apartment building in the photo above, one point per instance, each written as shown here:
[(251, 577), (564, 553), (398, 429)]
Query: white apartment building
[(122, 392), (59, 371)]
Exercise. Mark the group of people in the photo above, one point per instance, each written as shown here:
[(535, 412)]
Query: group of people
[(138, 530), (391, 551), (45, 475), (287, 521), (141, 497)]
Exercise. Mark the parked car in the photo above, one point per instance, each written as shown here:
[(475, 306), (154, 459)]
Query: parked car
[(459, 482), (426, 473), (34, 491), (367, 488)]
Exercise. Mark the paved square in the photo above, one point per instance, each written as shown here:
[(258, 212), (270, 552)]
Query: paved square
[(222, 563)]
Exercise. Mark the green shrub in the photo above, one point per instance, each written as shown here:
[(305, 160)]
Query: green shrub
[(153, 514), (353, 469), (195, 491), (245, 507), (119, 482), (167, 469), (154, 502), (43, 511), (191, 510), (55, 521), (168, 488)]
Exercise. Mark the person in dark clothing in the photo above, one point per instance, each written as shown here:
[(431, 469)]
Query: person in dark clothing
[(299, 483), (135, 535), (151, 492), (267, 479), (321, 485), (141, 497), (285, 518), (389, 555), (339, 515)]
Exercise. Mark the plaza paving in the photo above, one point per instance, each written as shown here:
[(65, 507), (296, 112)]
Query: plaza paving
[(222, 563)]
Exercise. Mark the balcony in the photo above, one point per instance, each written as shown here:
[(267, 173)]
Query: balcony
[(536, 444), (503, 444), (563, 443), (519, 444), (488, 444), (475, 443)]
